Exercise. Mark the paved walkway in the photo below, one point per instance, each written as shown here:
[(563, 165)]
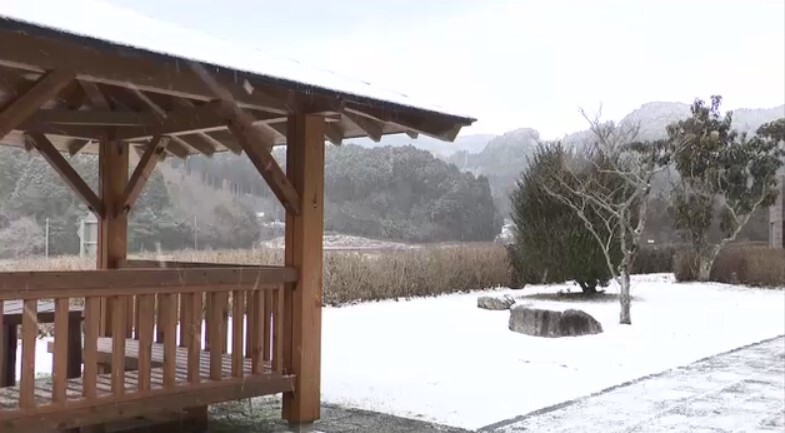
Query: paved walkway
[(739, 391)]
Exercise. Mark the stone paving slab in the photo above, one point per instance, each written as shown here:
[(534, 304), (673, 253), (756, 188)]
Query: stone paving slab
[(739, 391)]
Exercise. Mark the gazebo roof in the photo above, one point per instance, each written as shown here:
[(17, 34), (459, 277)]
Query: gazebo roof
[(129, 64)]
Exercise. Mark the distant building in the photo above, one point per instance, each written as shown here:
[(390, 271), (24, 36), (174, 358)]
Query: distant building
[(777, 218)]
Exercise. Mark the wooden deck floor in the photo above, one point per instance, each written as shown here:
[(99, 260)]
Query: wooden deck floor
[(207, 391)]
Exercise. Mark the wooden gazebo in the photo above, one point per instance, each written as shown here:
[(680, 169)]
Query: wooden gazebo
[(100, 79)]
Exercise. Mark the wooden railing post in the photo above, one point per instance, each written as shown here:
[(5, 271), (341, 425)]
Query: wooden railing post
[(302, 303)]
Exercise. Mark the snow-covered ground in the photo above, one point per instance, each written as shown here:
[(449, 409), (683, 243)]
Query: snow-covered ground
[(336, 241), (444, 360)]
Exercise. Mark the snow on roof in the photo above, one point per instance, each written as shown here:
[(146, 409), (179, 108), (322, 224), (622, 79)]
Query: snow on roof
[(120, 26)]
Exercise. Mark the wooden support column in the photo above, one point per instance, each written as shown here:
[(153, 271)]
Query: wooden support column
[(303, 301), (112, 226)]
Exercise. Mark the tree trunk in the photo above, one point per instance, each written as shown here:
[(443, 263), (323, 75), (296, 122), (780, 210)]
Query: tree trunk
[(624, 294), (706, 258), (588, 288), (704, 268)]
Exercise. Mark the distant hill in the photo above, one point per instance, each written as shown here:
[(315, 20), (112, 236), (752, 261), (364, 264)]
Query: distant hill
[(472, 143), (505, 156)]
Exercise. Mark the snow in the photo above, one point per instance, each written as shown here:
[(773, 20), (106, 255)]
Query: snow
[(442, 359), (338, 242), (445, 360), (120, 26)]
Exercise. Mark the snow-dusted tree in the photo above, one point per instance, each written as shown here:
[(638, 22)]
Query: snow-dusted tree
[(721, 169), (607, 184)]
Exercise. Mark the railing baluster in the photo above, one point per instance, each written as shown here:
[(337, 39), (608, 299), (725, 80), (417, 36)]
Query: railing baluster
[(256, 327), (119, 305), (146, 320), (170, 337), (29, 335), (217, 333), (238, 340), (208, 299), (130, 315), (159, 315), (268, 314), (60, 357), (194, 336), (278, 329), (92, 319), (248, 323), (3, 354), (185, 319)]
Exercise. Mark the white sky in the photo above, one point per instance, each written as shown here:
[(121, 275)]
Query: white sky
[(519, 63)]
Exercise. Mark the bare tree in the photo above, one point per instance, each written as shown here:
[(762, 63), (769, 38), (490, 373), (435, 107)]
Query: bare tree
[(608, 184)]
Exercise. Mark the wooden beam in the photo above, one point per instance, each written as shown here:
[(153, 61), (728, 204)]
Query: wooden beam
[(13, 114), (372, 128), (257, 144), (141, 173), (92, 117), (67, 172), (304, 233), (132, 282)]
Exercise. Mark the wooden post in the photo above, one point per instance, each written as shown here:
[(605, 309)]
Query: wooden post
[(113, 225), (303, 301)]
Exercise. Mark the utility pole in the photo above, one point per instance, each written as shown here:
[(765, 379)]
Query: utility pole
[(46, 245), (195, 233)]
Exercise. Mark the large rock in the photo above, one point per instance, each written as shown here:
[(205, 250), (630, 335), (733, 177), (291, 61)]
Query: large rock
[(495, 302), (550, 323)]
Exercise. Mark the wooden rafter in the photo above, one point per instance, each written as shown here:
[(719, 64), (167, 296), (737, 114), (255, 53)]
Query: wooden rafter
[(28, 103), (95, 95), (67, 172), (439, 129), (372, 128), (197, 121), (76, 144), (142, 173), (334, 133), (257, 144), (199, 145)]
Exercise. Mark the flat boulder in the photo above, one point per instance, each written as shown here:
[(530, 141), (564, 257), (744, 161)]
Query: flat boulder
[(551, 323), (495, 302)]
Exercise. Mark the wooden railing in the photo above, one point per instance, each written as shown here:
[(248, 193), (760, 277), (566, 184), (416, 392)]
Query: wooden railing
[(152, 302)]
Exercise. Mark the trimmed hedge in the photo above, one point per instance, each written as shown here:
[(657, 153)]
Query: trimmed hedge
[(738, 264)]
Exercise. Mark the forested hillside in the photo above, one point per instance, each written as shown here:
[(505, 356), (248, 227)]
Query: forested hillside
[(397, 193), (401, 193)]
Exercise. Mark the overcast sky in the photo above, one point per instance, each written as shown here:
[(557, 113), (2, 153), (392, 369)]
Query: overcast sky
[(519, 63)]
